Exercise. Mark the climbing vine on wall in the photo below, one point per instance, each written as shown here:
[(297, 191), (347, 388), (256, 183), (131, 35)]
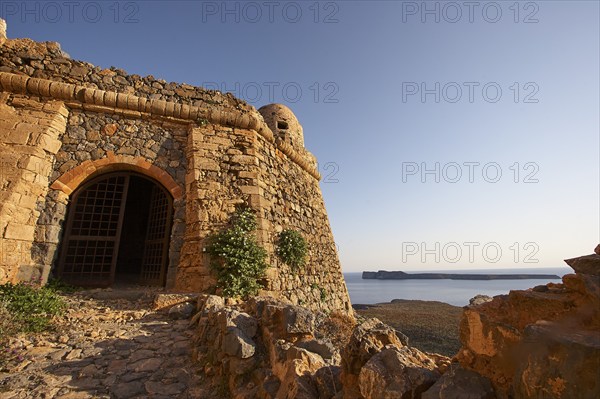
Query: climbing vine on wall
[(236, 257), (292, 248)]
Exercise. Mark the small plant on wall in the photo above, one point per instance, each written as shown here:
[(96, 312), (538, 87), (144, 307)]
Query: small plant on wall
[(236, 256), (292, 248)]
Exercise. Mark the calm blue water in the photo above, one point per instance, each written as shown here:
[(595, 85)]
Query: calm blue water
[(454, 292)]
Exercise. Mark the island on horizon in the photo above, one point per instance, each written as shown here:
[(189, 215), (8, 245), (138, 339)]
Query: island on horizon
[(400, 275)]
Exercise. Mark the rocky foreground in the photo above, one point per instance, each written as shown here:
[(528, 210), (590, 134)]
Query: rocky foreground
[(538, 343), (266, 348)]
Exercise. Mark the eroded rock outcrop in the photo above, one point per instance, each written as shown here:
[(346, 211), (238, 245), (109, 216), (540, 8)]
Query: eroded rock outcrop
[(539, 343), (266, 348), (458, 383), (397, 373)]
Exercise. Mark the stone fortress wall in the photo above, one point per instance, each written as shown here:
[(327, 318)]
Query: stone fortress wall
[(64, 122)]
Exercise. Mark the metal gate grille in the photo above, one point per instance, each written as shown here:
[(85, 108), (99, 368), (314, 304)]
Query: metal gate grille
[(157, 239), (93, 233), (91, 245)]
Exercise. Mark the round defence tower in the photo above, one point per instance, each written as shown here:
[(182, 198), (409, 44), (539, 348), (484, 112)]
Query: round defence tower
[(284, 124)]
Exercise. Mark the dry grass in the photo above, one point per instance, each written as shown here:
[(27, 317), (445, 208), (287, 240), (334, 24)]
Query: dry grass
[(338, 328), (430, 326)]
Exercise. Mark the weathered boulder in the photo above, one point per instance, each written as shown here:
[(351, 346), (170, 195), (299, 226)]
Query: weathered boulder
[(561, 363), (296, 372), (233, 318), (328, 382), (479, 299), (238, 344), (269, 387), (458, 383), (589, 264), (397, 373), (323, 348), (369, 339), (182, 310), (207, 303), (298, 320), (165, 301), (266, 348), (587, 286), (541, 342)]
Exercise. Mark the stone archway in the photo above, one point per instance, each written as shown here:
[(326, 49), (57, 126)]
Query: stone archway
[(117, 231), (70, 180), (52, 223)]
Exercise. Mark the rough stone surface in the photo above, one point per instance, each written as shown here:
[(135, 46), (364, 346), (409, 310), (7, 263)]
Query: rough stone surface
[(289, 356), (321, 347), (397, 373), (328, 382), (367, 339), (479, 299), (165, 301), (372, 337), (589, 264), (458, 383), (298, 320), (562, 362), (236, 343), (538, 343), (283, 123), (182, 310), (2, 29)]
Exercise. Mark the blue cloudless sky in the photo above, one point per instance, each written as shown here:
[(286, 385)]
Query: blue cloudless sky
[(449, 134)]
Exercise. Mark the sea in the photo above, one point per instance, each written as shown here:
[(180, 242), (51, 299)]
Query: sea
[(454, 292)]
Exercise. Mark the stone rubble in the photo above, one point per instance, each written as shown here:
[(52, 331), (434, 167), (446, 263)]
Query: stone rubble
[(106, 348), (268, 348), (539, 343)]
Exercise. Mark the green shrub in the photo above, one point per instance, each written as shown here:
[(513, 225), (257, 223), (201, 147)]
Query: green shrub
[(31, 308), (322, 291), (292, 248), (323, 294), (236, 256), (7, 326), (58, 285)]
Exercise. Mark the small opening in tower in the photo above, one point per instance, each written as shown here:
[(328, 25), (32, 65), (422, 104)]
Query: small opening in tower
[(282, 125)]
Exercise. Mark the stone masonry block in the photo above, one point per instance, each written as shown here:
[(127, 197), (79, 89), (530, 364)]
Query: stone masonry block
[(50, 144), (19, 232)]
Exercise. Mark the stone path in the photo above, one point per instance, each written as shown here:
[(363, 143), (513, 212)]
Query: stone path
[(107, 348)]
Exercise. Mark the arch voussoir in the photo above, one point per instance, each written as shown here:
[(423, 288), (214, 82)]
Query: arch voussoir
[(70, 180)]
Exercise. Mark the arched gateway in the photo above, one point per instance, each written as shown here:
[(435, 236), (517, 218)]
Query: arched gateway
[(117, 231)]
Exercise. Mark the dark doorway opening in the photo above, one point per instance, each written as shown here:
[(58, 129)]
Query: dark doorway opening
[(133, 234), (117, 232)]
